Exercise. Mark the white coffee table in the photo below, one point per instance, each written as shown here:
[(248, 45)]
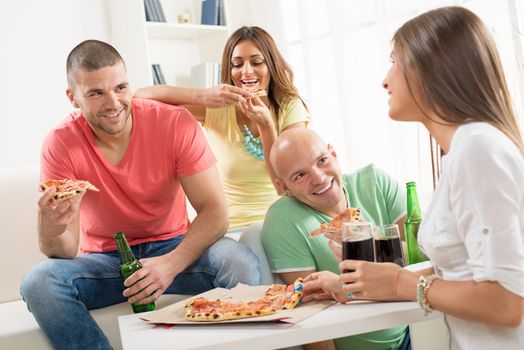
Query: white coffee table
[(333, 322)]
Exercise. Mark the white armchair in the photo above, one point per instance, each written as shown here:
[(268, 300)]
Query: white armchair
[(253, 239)]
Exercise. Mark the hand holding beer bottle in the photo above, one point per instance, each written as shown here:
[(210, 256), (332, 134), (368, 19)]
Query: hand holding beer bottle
[(128, 265)]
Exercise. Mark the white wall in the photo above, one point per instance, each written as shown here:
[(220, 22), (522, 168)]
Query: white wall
[(36, 37)]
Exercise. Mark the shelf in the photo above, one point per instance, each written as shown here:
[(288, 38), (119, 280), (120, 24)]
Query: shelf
[(177, 47), (162, 30)]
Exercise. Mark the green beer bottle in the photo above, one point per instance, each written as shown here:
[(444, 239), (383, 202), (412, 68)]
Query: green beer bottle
[(411, 225), (128, 265)]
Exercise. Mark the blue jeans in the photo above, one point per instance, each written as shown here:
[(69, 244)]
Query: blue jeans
[(59, 292)]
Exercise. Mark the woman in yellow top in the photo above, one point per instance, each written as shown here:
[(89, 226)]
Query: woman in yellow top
[(240, 126)]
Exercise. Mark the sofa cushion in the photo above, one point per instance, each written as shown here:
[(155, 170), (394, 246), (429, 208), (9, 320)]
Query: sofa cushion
[(19, 188), (253, 239), (19, 330)]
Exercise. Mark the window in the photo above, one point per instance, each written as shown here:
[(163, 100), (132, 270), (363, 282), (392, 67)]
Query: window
[(339, 52)]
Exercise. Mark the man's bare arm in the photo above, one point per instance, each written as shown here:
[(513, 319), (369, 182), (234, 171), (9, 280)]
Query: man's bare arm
[(205, 194), (195, 100)]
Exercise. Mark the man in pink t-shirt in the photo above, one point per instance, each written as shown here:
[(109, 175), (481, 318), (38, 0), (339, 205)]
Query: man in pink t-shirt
[(145, 157)]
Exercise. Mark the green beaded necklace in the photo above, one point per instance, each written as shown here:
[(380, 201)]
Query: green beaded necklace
[(252, 145)]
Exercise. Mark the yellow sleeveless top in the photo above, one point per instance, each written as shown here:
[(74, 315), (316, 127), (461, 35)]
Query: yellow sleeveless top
[(247, 186)]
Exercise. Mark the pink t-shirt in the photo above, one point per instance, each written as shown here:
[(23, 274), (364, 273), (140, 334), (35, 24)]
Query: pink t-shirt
[(142, 195)]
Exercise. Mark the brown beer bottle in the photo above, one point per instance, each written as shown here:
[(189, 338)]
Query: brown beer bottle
[(128, 265), (412, 224)]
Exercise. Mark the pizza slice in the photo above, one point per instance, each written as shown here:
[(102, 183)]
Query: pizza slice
[(283, 296), (66, 189), (350, 214), (202, 309), (259, 93), (277, 297)]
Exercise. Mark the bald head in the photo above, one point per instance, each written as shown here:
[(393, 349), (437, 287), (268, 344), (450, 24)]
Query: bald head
[(292, 144), (307, 169)]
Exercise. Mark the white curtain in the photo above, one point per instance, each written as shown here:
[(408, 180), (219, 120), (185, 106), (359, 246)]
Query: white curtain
[(339, 52)]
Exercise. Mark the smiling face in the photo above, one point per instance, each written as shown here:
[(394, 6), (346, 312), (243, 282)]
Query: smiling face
[(308, 170), (104, 97), (248, 67), (403, 103)]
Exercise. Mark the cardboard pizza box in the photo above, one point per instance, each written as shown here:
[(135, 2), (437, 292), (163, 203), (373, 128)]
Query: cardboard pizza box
[(174, 314)]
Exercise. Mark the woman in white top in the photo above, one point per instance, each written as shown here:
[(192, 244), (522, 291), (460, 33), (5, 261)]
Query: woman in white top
[(446, 74)]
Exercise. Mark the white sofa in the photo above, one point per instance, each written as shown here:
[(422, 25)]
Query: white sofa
[(18, 329)]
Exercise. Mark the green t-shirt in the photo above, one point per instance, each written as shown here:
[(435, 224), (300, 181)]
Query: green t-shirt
[(289, 248)]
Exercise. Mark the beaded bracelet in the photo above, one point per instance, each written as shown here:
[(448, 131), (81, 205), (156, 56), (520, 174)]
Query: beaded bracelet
[(422, 292)]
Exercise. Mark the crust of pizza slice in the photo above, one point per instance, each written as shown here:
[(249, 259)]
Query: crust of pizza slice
[(349, 214), (62, 196)]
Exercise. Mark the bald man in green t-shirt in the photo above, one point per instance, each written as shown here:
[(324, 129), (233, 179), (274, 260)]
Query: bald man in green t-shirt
[(315, 191)]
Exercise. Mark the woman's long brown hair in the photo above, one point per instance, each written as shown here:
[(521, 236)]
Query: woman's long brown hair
[(281, 89), (457, 65)]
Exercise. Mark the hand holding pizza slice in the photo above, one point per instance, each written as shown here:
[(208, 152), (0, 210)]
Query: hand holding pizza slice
[(350, 214), (66, 189)]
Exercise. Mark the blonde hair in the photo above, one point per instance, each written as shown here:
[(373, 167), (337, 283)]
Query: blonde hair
[(455, 59)]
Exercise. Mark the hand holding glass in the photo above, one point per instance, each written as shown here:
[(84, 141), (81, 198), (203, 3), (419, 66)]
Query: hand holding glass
[(357, 241)]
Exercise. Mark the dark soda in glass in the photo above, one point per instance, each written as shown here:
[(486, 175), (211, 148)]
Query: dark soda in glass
[(358, 250), (389, 250)]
